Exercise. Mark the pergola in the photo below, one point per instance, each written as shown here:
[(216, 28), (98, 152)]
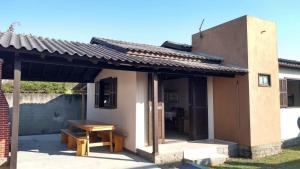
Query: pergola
[(31, 58), (57, 66)]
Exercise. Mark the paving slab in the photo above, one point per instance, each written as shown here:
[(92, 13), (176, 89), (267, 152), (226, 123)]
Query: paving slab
[(45, 151)]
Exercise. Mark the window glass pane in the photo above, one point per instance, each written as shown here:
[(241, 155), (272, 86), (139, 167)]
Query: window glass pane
[(108, 93), (106, 100), (260, 80), (107, 86), (264, 80)]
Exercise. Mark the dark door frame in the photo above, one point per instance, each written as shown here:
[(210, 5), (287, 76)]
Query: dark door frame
[(198, 108), (160, 124), (156, 113)]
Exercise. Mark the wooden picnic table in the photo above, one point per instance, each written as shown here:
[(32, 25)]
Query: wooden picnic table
[(94, 126)]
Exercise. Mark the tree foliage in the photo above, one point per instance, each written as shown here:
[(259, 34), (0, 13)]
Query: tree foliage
[(40, 87)]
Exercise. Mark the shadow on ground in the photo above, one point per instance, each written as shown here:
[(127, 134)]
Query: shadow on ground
[(51, 147), (47, 152)]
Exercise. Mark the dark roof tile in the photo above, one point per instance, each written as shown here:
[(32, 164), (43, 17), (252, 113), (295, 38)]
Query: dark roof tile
[(177, 46), (117, 52), (151, 49), (289, 63)]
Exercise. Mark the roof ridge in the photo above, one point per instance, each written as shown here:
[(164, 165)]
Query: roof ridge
[(288, 60), (147, 48), (123, 41), (179, 43)]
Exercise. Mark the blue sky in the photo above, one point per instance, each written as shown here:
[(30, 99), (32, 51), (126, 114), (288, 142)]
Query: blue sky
[(151, 22)]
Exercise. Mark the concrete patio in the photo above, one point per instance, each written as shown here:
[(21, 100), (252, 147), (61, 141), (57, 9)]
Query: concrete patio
[(45, 151)]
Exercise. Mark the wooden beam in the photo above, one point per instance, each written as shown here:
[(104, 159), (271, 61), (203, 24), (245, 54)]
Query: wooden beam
[(44, 71), (70, 74), (16, 111), (29, 69), (59, 71), (82, 75), (59, 63), (162, 107), (83, 106), (103, 63), (155, 113), (130, 66), (150, 109)]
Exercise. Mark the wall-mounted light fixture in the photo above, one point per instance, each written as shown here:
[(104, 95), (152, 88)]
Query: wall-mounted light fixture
[(263, 31)]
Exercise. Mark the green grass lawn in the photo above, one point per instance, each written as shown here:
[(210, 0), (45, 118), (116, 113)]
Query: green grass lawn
[(288, 159)]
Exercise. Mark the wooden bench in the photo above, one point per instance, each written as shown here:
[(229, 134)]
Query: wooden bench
[(73, 140), (118, 140)]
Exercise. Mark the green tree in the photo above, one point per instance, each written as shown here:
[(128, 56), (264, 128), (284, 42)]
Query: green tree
[(40, 87)]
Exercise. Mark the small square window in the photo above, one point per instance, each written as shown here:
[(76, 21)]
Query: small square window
[(106, 93), (264, 80)]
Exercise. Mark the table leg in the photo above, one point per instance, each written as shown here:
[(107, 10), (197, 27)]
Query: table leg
[(87, 143), (111, 140)]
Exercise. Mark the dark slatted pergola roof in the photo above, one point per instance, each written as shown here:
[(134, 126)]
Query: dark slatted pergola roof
[(45, 59)]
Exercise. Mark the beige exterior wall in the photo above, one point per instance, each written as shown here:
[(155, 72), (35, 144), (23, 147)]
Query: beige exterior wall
[(289, 116), (264, 101), (252, 112), (231, 109), (130, 114), (141, 109), (229, 40)]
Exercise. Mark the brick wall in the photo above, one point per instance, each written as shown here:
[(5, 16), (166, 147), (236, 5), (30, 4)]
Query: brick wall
[(4, 124)]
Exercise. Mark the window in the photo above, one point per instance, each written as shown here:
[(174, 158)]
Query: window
[(289, 93), (283, 93), (106, 93), (264, 80), (292, 96)]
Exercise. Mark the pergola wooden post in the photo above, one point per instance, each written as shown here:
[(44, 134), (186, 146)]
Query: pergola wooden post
[(16, 111), (155, 114), (83, 106)]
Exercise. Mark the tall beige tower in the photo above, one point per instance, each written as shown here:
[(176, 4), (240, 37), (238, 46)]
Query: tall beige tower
[(246, 108)]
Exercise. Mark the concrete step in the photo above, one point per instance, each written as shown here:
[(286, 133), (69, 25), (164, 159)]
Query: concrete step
[(201, 151), (208, 156), (206, 160)]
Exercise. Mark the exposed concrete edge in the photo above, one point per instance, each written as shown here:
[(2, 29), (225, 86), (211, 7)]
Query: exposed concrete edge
[(230, 150), (145, 155), (168, 158), (4, 162), (259, 151)]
